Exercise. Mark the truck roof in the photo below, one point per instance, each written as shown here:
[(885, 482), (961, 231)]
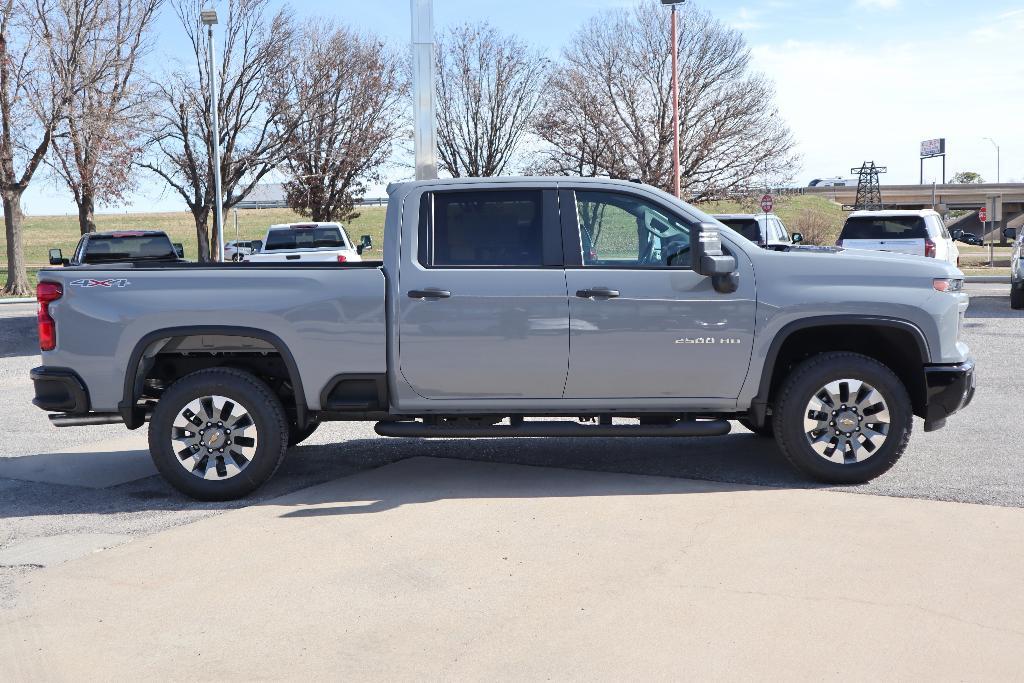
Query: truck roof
[(526, 180), (895, 212)]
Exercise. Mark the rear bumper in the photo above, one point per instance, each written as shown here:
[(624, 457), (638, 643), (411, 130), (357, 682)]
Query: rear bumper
[(59, 390), (950, 388)]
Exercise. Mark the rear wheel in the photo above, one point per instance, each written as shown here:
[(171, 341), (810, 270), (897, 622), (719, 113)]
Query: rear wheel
[(1017, 296), (843, 418), (218, 434)]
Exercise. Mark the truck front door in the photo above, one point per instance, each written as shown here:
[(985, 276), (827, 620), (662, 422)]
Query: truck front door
[(643, 324), (483, 310)]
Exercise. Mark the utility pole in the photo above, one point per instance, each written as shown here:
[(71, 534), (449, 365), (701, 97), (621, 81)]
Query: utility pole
[(209, 19), (424, 117), (998, 164), (675, 96)]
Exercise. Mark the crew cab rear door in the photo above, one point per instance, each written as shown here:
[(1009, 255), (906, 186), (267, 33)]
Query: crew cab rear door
[(483, 310), (644, 325)]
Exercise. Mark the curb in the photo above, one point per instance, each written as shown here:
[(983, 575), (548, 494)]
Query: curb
[(16, 301), (1001, 279)]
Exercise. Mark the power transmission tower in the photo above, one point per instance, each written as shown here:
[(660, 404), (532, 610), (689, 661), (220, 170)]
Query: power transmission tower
[(869, 192)]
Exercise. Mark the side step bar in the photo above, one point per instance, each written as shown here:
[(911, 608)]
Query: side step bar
[(565, 429), (72, 420)]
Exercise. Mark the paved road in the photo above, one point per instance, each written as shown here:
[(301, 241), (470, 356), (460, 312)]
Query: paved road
[(978, 458)]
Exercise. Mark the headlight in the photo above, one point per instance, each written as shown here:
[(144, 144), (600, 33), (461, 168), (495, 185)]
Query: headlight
[(948, 284)]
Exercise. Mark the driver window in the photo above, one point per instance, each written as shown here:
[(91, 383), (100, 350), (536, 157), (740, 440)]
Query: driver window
[(626, 231)]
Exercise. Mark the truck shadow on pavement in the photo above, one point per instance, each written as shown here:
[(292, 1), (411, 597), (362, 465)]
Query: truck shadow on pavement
[(992, 306), (740, 458)]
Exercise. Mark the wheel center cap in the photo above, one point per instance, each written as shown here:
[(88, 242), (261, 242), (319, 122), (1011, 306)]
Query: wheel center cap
[(847, 422), (215, 439)]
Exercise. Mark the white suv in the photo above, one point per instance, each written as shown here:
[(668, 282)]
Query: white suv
[(921, 233), (306, 242)]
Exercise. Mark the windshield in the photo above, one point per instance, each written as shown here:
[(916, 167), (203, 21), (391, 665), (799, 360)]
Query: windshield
[(887, 227), (305, 237), (102, 248), (748, 227)]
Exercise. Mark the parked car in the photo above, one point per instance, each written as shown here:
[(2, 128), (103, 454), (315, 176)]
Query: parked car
[(766, 230), (1016, 267), (917, 232), (307, 242), (122, 246), (500, 300), (237, 250), (968, 238)]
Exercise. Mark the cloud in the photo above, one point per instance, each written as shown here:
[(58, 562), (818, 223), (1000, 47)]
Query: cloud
[(746, 19), (878, 4)]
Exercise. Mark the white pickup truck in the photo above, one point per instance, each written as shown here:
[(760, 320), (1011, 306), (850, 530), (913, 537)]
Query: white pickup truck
[(307, 242)]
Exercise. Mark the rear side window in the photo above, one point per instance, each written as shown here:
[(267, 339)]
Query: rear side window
[(312, 237), (100, 248), (482, 228), (888, 227), (748, 227)]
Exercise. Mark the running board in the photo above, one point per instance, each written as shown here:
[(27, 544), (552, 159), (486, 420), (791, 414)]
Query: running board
[(563, 429), (73, 420)]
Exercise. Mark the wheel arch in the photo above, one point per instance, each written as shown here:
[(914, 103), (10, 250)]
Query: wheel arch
[(895, 342), (134, 417)]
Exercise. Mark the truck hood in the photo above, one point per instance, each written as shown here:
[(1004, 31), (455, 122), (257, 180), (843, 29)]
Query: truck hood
[(841, 260)]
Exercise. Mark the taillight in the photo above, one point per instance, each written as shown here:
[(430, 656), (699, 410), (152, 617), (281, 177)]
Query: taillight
[(929, 248), (341, 258), (47, 292)]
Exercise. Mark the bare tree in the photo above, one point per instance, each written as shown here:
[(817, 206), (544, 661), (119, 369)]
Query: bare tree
[(345, 108), (255, 53), (41, 42), (488, 87), (99, 137), (609, 107)]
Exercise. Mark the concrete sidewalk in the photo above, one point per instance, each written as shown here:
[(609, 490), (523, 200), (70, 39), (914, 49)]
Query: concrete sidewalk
[(448, 569)]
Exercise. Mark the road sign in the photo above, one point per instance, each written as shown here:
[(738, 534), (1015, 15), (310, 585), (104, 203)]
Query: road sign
[(766, 203), (983, 214)]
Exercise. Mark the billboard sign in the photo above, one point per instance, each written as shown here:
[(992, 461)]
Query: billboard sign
[(933, 148)]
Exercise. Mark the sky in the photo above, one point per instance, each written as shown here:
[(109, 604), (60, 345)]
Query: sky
[(856, 80)]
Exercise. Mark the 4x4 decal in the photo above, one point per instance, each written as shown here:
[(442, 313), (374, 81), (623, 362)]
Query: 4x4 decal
[(120, 282)]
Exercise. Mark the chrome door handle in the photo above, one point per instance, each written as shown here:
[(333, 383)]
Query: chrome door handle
[(720, 323), (430, 293), (597, 293)]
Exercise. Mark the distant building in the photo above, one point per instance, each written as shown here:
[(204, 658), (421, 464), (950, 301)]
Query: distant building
[(271, 196)]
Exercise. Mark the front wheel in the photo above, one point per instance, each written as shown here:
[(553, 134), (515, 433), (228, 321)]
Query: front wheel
[(842, 418), (218, 434)]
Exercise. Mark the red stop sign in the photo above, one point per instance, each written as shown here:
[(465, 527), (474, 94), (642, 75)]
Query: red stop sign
[(766, 203), (983, 214)]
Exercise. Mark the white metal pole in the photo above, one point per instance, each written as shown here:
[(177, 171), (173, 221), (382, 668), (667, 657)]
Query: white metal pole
[(218, 209), (424, 116)]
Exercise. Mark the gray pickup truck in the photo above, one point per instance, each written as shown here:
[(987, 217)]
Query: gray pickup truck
[(502, 305)]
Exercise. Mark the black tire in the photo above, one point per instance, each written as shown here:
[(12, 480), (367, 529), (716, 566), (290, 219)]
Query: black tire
[(1017, 296), (768, 430), (804, 383), (297, 436), (267, 418)]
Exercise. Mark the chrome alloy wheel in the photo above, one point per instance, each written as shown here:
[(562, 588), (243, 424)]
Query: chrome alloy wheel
[(214, 437), (846, 421)]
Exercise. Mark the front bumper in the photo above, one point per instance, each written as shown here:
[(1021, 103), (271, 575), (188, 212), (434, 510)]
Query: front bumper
[(59, 390), (949, 388)]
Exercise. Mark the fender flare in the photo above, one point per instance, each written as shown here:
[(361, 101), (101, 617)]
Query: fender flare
[(135, 418), (759, 404)]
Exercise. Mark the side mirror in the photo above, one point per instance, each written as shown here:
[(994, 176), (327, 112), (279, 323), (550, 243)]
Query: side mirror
[(366, 242), (709, 259), (57, 259), (1010, 233), (796, 238), (256, 246), (957, 235), (179, 249)]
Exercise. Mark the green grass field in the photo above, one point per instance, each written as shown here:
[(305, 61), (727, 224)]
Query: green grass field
[(41, 233)]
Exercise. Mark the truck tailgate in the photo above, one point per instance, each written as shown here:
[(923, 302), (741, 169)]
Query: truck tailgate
[(914, 247)]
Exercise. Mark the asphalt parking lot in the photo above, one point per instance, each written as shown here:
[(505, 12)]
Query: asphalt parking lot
[(976, 459)]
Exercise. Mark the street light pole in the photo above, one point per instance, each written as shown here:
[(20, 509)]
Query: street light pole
[(675, 96), (998, 164), (209, 19)]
